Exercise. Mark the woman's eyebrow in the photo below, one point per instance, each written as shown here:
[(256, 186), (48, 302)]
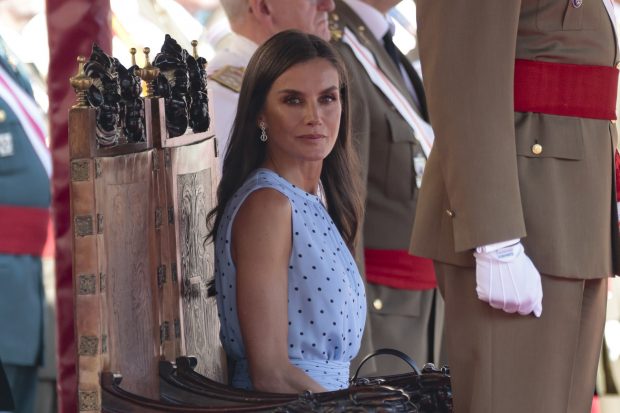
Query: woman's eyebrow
[(293, 91)]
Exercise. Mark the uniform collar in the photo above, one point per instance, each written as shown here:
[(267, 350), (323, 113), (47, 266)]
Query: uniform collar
[(377, 23)]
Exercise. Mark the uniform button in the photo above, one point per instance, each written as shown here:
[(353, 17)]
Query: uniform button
[(2, 116), (378, 304), (537, 149), (450, 213)]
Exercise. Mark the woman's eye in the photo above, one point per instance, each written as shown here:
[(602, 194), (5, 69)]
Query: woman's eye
[(328, 98), (292, 100)]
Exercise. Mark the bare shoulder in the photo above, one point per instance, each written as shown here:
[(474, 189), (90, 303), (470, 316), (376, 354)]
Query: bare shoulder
[(265, 202), (264, 210), (262, 228)]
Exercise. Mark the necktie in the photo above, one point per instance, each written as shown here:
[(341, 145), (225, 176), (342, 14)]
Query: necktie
[(390, 48), (416, 82)]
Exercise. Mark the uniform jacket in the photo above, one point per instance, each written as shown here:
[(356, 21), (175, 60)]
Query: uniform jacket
[(385, 141), (23, 182), (225, 76), (483, 184)]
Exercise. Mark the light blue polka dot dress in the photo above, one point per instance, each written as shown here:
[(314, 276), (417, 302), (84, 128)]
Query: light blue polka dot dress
[(327, 303)]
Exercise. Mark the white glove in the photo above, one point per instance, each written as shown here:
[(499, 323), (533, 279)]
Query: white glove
[(507, 279)]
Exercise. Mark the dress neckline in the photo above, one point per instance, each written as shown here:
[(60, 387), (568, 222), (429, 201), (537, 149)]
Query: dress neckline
[(291, 186)]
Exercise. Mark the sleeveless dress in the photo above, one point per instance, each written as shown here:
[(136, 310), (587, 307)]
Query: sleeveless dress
[(326, 299)]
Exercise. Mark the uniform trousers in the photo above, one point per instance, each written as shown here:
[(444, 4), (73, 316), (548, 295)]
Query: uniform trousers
[(509, 363), (23, 383), (407, 320)]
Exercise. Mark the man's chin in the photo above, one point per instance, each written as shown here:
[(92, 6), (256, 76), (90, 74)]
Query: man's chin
[(322, 31)]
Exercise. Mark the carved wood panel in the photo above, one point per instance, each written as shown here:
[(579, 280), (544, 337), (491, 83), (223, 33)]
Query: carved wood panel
[(128, 258), (194, 184)]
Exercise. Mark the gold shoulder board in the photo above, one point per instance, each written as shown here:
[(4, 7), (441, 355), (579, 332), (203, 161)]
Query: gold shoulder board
[(229, 76), (335, 27)]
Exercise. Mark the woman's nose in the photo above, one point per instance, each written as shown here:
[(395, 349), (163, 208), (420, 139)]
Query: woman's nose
[(313, 116)]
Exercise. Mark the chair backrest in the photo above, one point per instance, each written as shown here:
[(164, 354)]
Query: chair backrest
[(140, 261)]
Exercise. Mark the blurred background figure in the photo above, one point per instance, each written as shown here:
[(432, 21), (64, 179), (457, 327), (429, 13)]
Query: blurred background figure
[(393, 137), (252, 23), (141, 23), (25, 169)]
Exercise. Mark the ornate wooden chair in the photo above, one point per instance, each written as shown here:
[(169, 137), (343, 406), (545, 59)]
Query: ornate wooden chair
[(143, 178)]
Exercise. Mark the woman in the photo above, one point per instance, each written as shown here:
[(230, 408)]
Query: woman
[(291, 301)]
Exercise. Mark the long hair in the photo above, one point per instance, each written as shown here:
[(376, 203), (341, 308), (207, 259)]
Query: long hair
[(340, 173)]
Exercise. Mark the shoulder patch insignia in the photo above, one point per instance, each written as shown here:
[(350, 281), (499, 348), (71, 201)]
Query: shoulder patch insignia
[(229, 76), (335, 27)]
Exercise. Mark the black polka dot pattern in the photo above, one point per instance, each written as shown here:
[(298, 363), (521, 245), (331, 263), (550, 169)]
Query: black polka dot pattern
[(325, 318)]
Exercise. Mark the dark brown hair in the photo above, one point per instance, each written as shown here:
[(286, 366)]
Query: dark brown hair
[(340, 174)]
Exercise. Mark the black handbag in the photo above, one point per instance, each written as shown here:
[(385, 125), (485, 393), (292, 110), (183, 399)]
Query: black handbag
[(429, 390)]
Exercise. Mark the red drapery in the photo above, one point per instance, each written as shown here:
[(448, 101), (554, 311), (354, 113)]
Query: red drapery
[(73, 26)]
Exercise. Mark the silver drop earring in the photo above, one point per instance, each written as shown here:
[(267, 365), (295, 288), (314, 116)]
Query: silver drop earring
[(263, 133)]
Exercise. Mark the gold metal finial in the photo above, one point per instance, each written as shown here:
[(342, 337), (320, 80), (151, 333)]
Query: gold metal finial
[(80, 84), (132, 51), (195, 52), (148, 73), (195, 48)]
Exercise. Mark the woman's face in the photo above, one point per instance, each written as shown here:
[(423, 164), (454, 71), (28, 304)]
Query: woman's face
[(302, 113)]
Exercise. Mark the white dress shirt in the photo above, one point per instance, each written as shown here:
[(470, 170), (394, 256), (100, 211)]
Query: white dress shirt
[(379, 24)]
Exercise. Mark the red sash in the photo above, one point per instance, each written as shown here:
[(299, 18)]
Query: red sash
[(582, 91), (398, 269), (23, 230)]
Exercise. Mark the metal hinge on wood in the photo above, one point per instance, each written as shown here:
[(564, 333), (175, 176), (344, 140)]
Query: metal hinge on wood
[(158, 218), (88, 400), (99, 223), (98, 168), (215, 147), (87, 284), (83, 225), (164, 332), (173, 271), (88, 345), (170, 215), (155, 161), (79, 171), (177, 328), (161, 275), (167, 158)]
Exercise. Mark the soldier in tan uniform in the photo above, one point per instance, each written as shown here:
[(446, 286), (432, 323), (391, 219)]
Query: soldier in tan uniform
[(517, 208), (391, 130)]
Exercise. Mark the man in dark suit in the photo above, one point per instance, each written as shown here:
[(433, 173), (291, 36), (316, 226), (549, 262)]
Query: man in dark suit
[(24, 215), (393, 137)]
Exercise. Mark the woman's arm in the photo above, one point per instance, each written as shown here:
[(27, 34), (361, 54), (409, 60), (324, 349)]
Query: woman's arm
[(261, 247)]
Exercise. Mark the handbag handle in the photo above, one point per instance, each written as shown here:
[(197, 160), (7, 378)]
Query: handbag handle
[(392, 352)]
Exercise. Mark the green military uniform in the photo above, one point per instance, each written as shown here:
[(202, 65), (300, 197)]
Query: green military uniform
[(401, 318), (24, 186)]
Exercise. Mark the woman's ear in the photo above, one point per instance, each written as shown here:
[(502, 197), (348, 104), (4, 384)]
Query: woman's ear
[(260, 120)]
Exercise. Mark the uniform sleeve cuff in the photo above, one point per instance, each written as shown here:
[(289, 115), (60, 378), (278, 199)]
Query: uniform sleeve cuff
[(497, 245)]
